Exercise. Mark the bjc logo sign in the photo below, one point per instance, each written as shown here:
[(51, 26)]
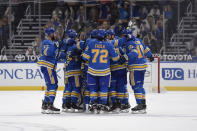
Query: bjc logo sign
[(172, 74)]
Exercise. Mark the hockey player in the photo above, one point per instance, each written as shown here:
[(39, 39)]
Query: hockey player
[(98, 54), (48, 63), (137, 53), (72, 75), (67, 42), (93, 35), (118, 76)]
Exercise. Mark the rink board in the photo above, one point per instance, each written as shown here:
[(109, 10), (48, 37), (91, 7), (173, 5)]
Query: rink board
[(27, 76)]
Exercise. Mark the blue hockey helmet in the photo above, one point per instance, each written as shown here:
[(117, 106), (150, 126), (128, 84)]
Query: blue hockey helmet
[(94, 33), (101, 34), (110, 32), (71, 33), (49, 31), (128, 33)]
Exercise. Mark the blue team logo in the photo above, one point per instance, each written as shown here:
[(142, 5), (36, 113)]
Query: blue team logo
[(172, 74)]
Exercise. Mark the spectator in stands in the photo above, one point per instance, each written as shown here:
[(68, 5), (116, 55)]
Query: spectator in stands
[(155, 12), (150, 23), (36, 44), (103, 11), (1, 35), (168, 12), (144, 29), (105, 25), (80, 16), (57, 12), (115, 14), (152, 43), (192, 47), (169, 21), (30, 51), (93, 15), (69, 13), (143, 12), (10, 13), (124, 10), (5, 27), (159, 30), (59, 33)]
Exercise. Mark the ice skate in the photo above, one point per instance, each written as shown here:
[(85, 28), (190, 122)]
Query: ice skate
[(44, 107), (52, 109), (75, 108), (66, 107), (114, 108), (103, 109), (139, 109), (93, 108), (125, 108)]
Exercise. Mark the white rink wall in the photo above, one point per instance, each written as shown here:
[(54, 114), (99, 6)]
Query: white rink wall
[(27, 76)]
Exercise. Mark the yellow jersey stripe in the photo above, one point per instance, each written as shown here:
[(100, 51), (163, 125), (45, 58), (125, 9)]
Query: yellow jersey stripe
[(45, 64), (115, 58), (146, 50), (98, 71), (132, 78), (86, 56), (116, 43), (51, 76), (117, 66), (137, 67)]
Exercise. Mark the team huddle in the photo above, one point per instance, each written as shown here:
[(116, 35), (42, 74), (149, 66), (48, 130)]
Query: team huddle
[(95, 71)]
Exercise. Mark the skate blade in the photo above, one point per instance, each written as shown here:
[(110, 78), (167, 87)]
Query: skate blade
[(77, 111), (139, 112), (44, 112), (124, 111), (69, 111), (64, 110), (95, 112), (116, 111), (87, 112), (53, 112), (103, 112)]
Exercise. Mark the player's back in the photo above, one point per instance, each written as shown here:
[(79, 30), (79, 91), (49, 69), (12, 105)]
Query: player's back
[(136, 49), (99, 53)]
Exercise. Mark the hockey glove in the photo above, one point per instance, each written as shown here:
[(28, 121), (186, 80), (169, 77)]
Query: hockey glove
[(152, 58), (57, 45), (122, 59)]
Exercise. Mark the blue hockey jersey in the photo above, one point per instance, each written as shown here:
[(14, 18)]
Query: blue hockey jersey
[(114, 65), (98, 54), (137, 53), (73, 63), (48, 54), (66, 44)]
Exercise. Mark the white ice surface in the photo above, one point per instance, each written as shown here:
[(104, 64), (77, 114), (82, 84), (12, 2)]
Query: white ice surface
[(171, 111)]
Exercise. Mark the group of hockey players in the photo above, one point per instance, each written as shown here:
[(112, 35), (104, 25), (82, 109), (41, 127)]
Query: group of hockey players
[(95, 71)]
